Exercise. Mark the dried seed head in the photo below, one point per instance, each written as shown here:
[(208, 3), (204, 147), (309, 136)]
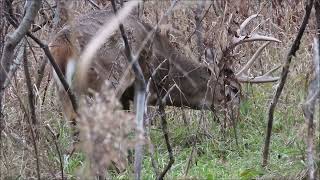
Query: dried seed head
[(105, 131)]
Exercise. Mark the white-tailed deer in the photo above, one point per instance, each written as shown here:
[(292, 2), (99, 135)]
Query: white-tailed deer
[(181, 80)]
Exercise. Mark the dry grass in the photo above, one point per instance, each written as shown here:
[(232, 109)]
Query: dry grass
[(105, 129)]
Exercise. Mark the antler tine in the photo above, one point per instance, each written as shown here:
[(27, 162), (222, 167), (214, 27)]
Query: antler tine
[(251, 38), (246, 22), (272, 70), (266, 78), (251, 61), (258, 79), (243, 38), (242, 77)]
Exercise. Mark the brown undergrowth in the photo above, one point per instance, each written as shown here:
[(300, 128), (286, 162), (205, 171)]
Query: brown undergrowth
[(106, 130)]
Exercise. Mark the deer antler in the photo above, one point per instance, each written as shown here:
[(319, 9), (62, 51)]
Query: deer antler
[(259, 79), (242, 38)]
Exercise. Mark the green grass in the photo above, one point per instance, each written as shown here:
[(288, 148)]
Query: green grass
[(219, 157)]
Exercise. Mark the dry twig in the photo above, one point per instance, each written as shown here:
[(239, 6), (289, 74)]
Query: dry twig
[(10, 44), (199, 27), (54, 139), (33, 112), (140, 91), (164, 127), (12, 20), (285, 70)]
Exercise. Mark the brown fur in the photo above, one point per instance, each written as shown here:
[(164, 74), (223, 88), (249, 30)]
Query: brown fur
[(198, 86), (62, 50)]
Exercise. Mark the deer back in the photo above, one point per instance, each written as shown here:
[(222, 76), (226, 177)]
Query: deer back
[(181, 79), (109, 62)]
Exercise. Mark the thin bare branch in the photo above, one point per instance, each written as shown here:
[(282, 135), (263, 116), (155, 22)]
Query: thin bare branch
[(41, 72), (97, 41), (167, 140), (94, 4), (15, 65), (54, 139), (164, 127), (199, 27), (13, 21), (29, 87), (140, 91), (200, 21), (149, 36), (12, 40), (33, 125), (284, 74)]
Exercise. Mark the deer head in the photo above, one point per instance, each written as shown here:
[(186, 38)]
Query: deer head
[(186, 82)]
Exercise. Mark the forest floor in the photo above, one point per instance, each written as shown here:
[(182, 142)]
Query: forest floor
[(216, 155), (201, 148)]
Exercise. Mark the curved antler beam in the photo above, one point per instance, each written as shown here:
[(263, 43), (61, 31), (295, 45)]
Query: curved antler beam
[(246, 22), (250, 38), (259, 79)]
